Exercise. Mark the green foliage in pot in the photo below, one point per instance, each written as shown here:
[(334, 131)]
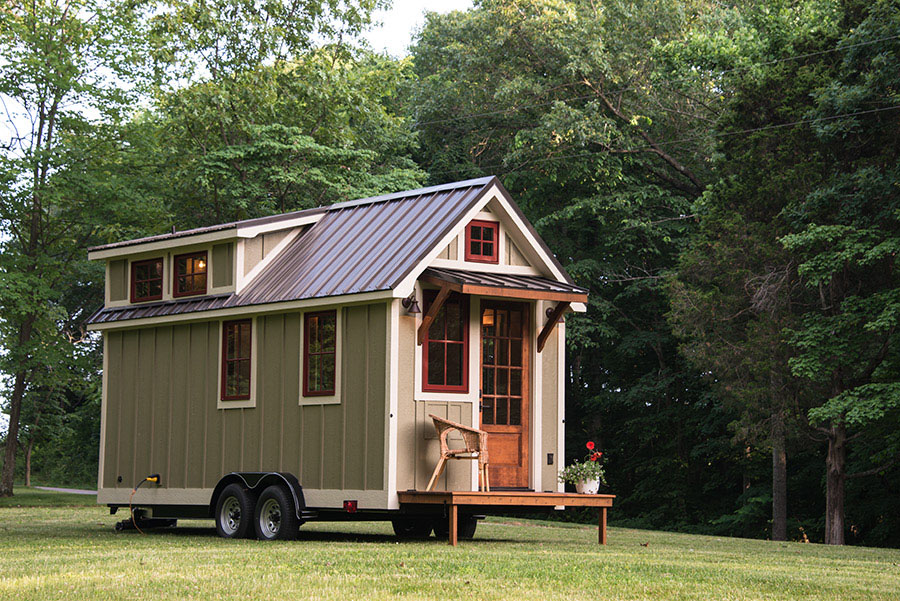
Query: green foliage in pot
[(589, 469)]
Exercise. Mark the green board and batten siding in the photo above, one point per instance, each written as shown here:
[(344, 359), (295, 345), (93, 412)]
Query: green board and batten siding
[(161, 414)]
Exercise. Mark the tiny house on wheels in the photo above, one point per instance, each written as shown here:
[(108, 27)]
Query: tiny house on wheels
[(272, 371)]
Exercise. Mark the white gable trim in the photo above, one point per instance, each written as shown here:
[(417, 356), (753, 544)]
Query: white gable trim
[(243, 279), (509, 216), (253, 231)]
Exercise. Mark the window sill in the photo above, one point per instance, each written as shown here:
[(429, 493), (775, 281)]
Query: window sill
[(238, 404), (306, 401)]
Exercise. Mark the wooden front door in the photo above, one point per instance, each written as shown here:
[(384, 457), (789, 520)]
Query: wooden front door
[(504, 391)]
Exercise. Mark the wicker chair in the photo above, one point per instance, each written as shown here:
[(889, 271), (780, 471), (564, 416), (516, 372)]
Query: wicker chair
[(476, 450)]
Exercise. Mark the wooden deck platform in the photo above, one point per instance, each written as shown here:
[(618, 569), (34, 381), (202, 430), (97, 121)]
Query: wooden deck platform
[(501, 500)]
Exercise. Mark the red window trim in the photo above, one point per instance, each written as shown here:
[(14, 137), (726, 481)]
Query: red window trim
[(225, 360), (306, 391), (134, 297), (494, 257), (175, 292), (464, 319)]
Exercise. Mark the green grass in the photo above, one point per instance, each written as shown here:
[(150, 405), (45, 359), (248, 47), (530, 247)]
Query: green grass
[(72, 552), (34, 497)]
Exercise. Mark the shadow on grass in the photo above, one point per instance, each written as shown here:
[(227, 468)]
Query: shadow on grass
[(320, 536)]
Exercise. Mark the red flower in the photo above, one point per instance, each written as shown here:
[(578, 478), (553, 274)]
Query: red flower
[(590, 445), (596, 455)]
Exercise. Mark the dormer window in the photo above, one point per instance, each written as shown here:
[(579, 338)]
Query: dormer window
[(190, 274), (481, 241), (146, 280)]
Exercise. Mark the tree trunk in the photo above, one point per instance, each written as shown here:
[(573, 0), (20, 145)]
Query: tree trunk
[(779, 479), (12, 437), (28, 449), (835, 476)]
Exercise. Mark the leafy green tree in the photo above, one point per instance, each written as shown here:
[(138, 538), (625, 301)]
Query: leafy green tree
[(787, 291), (62, 81), (846, 243), (269, 139), (596, 125)]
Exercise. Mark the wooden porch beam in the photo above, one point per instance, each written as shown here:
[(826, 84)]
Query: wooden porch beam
[(442, 295), (551, 324)]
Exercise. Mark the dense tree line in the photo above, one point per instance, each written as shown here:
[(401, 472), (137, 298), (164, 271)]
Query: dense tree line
[(724, 178)]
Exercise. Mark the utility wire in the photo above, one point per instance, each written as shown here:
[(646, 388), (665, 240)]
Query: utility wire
[(671, 142), (661, 82)]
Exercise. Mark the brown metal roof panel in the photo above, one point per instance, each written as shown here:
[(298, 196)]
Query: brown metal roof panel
[(158, 309), (503, 280), (362, 247)]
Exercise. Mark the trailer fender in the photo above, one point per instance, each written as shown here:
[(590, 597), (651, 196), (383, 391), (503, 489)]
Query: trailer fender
[(255, 482)]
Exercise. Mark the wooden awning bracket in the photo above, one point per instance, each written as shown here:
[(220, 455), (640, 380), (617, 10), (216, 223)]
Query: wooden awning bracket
[(551, 324), (442, 295)]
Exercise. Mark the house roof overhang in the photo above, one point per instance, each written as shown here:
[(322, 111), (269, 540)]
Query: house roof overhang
[(526, 287)]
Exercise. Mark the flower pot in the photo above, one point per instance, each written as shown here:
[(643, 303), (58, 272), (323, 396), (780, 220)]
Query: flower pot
[(588, 487)]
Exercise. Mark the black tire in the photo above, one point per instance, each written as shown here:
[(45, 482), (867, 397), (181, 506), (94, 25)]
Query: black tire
[(275, 517), (234, 512), (465, 527), (409, 528)]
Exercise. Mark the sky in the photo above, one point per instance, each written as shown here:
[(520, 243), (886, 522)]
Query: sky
[(400, 23)]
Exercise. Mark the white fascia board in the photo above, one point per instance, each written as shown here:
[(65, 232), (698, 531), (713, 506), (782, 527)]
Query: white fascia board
[(161, 245), (523, 231), (245, 311), (509, 216), (406, 286), (253, 231)]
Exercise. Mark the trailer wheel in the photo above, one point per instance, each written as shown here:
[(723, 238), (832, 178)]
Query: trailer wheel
[(234, 512), (410, 528), (275, 518), (465, 528)]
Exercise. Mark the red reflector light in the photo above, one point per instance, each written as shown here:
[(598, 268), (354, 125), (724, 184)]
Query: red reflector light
[(350, 506)]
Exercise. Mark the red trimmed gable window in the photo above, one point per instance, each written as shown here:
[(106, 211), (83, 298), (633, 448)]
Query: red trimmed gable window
[(319, 350), (445, 349), (482, 241), (236, 350), (190, 274), (146, 280)]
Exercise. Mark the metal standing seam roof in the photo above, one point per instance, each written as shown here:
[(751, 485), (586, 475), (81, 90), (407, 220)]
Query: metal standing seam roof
[(503, 280), (359, 246)]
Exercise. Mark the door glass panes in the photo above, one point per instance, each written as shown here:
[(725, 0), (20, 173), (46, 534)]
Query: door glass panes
[(502, 345), (487, 411), (502, 413), (515, 412)]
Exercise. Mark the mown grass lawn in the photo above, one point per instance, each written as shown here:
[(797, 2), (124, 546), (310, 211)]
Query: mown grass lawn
[(72, 552)]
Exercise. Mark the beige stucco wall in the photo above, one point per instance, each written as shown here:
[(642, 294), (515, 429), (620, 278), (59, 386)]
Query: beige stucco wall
[(118, 280), (550, 411), (418, 448), (417, 444), (161, 415)]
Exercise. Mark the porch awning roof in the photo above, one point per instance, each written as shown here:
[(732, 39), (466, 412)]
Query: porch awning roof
[(506, 285)]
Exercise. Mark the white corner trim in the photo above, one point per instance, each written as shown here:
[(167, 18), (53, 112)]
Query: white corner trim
[(334, 399), (561, 400), (254, 360), (275, 252), (537, 400), (392, 393)]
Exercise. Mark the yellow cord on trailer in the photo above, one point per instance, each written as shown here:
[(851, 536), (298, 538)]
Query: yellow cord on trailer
[(154, 479)]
